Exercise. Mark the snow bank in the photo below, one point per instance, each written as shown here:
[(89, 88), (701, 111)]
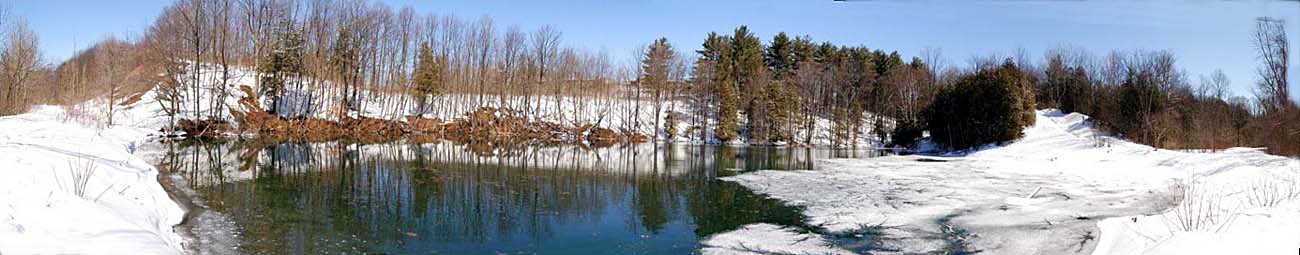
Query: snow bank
[(1245, 202), (1042, 194), (122, 209)]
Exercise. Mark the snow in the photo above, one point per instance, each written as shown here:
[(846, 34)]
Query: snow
[(122, 209), (1062, 189), (1065, 188), (763, 238)]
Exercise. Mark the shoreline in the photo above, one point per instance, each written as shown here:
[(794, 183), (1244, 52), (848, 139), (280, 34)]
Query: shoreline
[(51, 162), (1054, 191), (1138, 166)]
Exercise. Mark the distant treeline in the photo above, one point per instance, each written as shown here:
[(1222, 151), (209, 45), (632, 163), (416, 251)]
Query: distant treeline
[(358, 55), (1139, 95)]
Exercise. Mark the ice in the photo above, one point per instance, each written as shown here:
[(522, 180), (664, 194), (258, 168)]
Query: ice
[(985, 200), (763, 238)]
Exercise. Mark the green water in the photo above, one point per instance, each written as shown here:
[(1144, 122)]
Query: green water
[(442, 198)]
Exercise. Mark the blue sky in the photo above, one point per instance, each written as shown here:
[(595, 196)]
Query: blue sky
[(1204, 35)]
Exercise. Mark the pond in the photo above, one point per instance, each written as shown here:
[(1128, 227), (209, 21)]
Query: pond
[(446, 198)]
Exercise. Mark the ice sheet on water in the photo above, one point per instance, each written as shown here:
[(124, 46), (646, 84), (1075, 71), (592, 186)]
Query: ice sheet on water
[(763, 238), (1042, 194)]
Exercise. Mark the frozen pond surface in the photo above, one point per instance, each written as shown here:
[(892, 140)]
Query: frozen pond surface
[(1062, 189)]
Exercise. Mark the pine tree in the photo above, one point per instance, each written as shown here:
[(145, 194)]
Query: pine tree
[(654, 65), (283, 61), (1141, 103), (726, 94), (779, 103), (655, 69), (716, 57), (1025, 94), (781, 57), (747, 53), (986, 107), (428, 76), (1064, 86), (750, 78)]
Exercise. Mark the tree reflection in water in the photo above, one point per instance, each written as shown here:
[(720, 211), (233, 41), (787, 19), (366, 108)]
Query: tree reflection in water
[(336, 197)]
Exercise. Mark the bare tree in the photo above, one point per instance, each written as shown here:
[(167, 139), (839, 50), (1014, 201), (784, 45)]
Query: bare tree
[(546, 44), (512, 51), (1214, 86), (113, 58), (1271, 42), (19, 61), (483, 41), (935, 61)]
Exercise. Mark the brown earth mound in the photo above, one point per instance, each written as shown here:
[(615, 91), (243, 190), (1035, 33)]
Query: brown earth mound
[(485, 126), (491, 123), (203, 129)]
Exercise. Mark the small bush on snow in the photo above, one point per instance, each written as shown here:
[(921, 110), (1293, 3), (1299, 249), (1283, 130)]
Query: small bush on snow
[(79, 173), (1271, 192), (1199, 208), (83, 116)]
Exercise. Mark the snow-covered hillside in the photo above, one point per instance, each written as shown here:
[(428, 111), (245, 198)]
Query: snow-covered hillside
[(217, 94), (67, 188), (1062, 189)]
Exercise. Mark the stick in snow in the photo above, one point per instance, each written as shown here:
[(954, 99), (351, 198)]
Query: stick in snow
[(1031, 195)]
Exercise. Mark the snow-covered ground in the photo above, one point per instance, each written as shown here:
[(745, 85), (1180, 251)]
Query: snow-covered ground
[(1062, 189), (66, 188)]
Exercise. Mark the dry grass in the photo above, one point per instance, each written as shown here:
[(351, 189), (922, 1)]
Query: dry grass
[(80, 172), (85, 117), (1271, 192), (1199, 208)]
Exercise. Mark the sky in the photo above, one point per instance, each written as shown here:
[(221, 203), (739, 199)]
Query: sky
[(1204, 35)]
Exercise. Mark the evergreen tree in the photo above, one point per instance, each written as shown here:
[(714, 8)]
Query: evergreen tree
[(428, 76), (1051, 93), (283, 61), (1141, 103), (782, 60), (1028, 106), (747, 52), (986, 107), (1064, 86), (750, 79), (781, 57), (655, 69), (779, 103), (654, 66), (854, 79), (716, 75)]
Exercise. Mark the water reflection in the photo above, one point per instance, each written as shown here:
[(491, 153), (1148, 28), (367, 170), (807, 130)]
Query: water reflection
[(344, 198)]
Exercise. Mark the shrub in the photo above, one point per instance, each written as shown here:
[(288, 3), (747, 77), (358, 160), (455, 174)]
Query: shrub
[(906, 133), (993, 105), (1271, 192), (1199, 208)]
